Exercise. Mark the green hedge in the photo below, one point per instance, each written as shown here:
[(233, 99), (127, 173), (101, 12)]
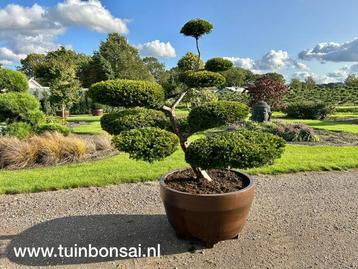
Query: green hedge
[(308, 110), (238, 149), (215, 114), (147, 144), (133, 118), (13, 81)]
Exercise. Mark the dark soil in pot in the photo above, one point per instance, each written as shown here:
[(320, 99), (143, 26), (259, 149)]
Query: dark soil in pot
[(223, 181)]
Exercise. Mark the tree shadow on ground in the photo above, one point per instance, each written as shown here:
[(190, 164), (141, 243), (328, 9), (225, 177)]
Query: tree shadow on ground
[(99, 231)]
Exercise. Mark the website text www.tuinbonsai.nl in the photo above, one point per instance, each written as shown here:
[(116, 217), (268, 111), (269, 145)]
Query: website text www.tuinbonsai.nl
[(88, 251)]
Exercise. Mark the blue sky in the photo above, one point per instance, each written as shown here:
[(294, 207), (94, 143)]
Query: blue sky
[(261, 35)]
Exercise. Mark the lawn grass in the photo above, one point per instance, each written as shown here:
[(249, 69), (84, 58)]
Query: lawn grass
[(92, 128), (119, 169), (87, 118)]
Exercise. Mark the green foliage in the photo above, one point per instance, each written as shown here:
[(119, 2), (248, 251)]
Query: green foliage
[(148, 144), (124, 59), (227, 95), (237, 77), (127, 93), (351, 80), (12, 81), (51, 67), (64, 88), (337, 94), (53, 127), (31, 64), (196, 28), (189, 62), (199, 97), (215, 114), (20, 130), (20, 107), (238, 149), (97, 69), (156, 69), (291, 132), (309, 110), (133, 118), (218, 65), (201, 79)]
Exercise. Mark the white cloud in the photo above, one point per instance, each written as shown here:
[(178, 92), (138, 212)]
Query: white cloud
[(331, 51), (34, 29), (274, 60), (90, 14), (157, 48)]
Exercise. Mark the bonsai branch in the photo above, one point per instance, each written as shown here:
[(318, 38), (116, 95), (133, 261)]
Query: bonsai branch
[(183, 139), (197, 48)]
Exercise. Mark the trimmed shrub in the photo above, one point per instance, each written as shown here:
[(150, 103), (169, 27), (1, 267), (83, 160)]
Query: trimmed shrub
[(291, 132), (189, 62), (201, 79), (148, 144), (308, 110), (196, 28), (53, 127), (20, 130), (218, 65), (20, 107), (238, 149), (133, 118), (215, 114), (127, 93), (13, 81)]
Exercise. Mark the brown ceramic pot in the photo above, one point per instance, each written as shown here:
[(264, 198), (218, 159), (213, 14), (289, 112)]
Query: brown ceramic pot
[(97, 112), (208, 217)]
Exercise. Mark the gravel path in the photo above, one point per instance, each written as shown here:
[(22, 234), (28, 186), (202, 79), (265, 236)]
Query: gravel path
[(305, 220)]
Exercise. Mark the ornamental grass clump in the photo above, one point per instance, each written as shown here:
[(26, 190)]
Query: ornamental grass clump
[(151, 141)]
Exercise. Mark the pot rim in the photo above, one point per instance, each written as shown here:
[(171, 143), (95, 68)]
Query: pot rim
[(248, 187)]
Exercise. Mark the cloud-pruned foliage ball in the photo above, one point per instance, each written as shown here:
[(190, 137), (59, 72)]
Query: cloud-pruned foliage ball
[(189, 62), (133, 118), (238, 149), (13, 81), (215, 114), (202, 79), (16, 106), (196, 28), (218, 65), (147, 144), (127, 93)]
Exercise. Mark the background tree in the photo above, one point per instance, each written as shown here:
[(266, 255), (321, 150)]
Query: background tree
[(295, 84), (64, 87), (237, 77), (197, 28), (351, 81), (276, 76), (31, 63), (156, 69), (310, 83), (95, 70), (123, 58), (267, 89)]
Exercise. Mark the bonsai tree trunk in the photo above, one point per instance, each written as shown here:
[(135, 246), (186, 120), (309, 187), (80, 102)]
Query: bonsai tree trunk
[(197, 48), (182, 139)]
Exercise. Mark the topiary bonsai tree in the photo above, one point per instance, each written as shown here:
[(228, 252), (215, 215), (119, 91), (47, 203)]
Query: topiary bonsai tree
[(149, 130), (197, 28)]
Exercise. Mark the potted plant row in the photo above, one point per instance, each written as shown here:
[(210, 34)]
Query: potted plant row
[(209, 200)]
